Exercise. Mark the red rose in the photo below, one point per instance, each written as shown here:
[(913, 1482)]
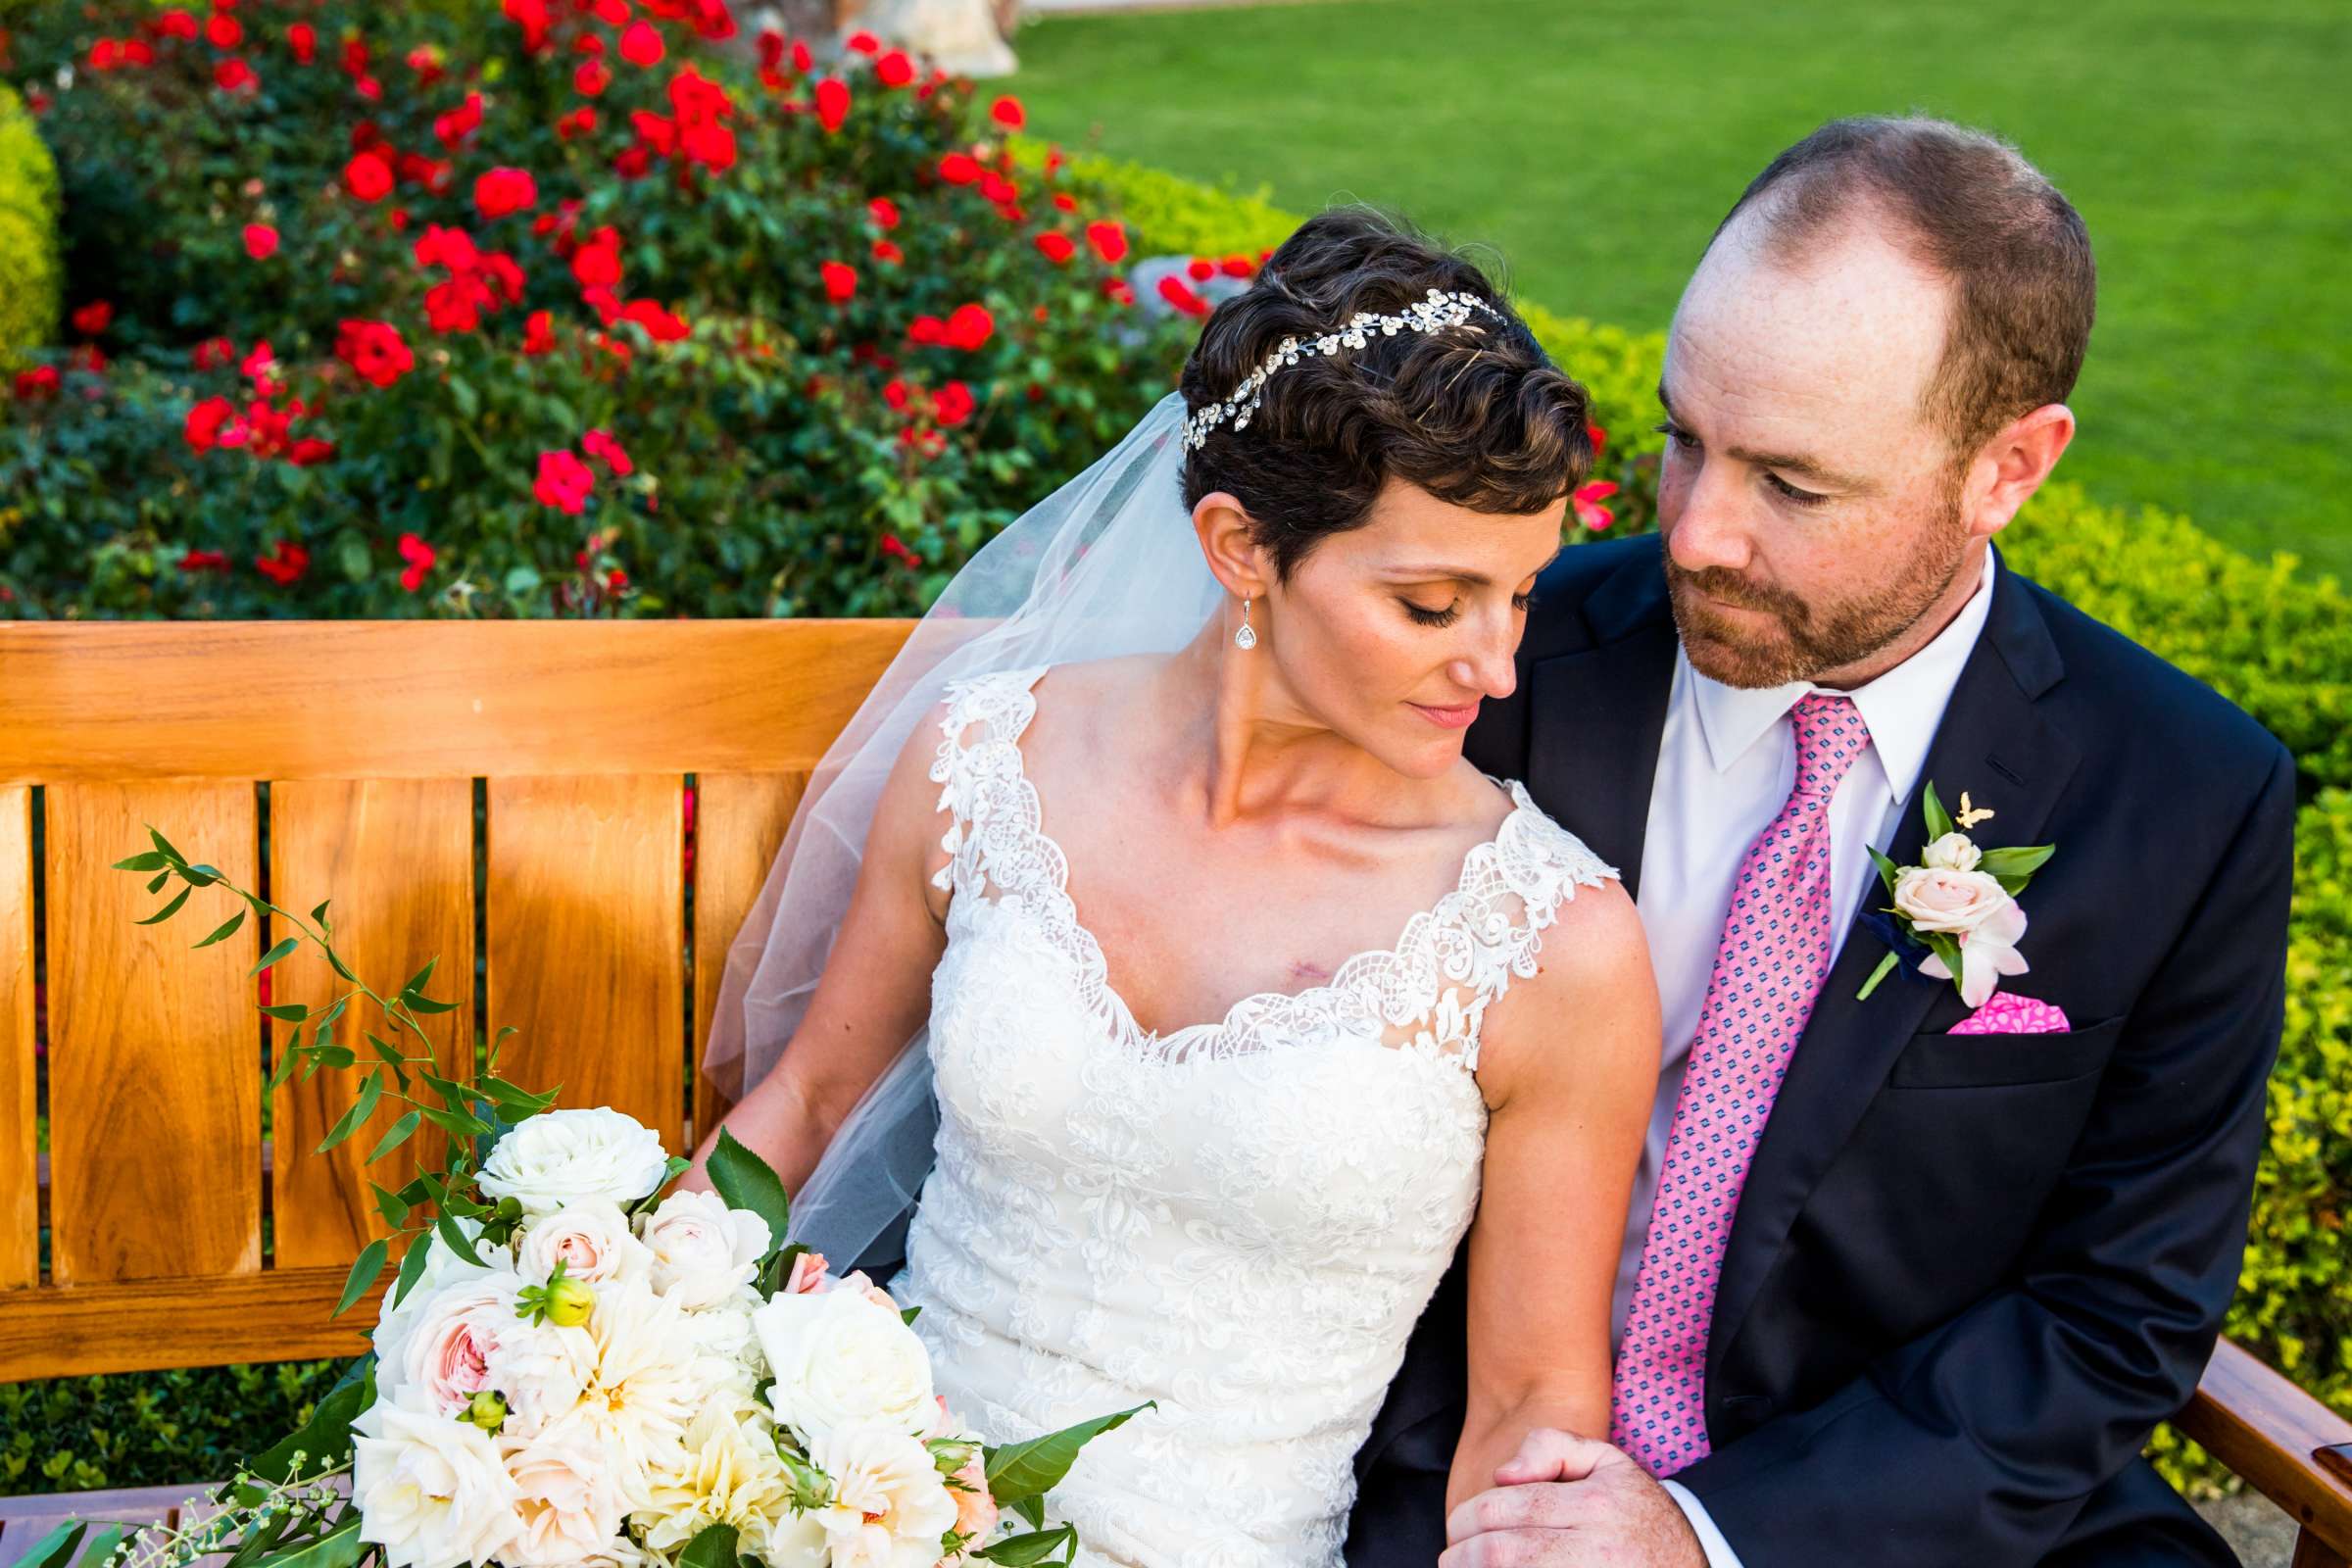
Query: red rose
[(1589, 509), (895, 547), (309, 451), (1236, 267), (884, 211), (709, 144), (284, 565), (582, 121), (501, 269), (863, 43), (894, 69), (538, 333), (599, 445), (832, 103), (928, 329), (374, 350), (214, 351), (369, 176), (204, 560), (563, 483), (175, 23), (456, 305), (996, 188), (94, 318), (105, 55), (1108, 238), (224, 32), (1596, 435), (1179, 294), (969, 327), (1009, 113), (660, 323), (888, 252), (952, 404), (598, 261), (1201, 268), (803, 60), (896, 394), (532, 17), (260, 241), (841, 283), (591, 78), (641, 44), (420, 557), (40, 381), (959, 168), (1058, 248), (452, 248), (303, 39), (460, 123), (234, 76), (502, 191), (261, 366), (1066, 202)]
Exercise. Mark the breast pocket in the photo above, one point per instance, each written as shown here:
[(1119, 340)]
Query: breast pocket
[(1937, 1062)]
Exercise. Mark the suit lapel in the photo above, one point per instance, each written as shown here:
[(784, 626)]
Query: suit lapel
[(1994, 742), (1599, 709)]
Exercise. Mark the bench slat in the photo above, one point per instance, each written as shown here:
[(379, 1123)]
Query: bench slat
[(154, 1047), (20, 1156), (2266, 1429), (739, 819), (139, 1326), (397, 858), (588, 940)]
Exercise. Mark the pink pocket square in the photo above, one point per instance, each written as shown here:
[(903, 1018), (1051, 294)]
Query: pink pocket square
[(2008, 1014)]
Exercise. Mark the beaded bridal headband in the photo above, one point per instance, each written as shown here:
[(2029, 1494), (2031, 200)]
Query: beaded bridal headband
[(1439, 310)]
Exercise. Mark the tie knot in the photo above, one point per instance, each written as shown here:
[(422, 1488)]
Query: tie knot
[(1829, 735)]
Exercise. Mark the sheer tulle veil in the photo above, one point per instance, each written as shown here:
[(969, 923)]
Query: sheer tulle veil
[(1108, 565)]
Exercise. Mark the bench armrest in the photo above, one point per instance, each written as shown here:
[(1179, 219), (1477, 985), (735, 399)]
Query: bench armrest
[(2286, 1444)]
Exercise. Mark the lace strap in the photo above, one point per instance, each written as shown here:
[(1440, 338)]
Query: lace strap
[(1488, 930), (991, 833)]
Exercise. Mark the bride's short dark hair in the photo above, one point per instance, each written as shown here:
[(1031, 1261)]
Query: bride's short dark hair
[(1479, 419)]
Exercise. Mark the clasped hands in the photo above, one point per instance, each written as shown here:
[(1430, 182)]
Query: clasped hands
[(1565, 1501)]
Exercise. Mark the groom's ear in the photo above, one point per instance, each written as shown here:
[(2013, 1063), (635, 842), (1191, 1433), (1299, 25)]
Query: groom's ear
[(2011, 466), (1229, 541)]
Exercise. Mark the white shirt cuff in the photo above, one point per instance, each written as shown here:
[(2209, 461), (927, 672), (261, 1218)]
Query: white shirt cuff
[(1710, 1540)]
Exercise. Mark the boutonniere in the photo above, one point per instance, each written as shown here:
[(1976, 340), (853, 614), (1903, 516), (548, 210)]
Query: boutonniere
[(1960, 902)]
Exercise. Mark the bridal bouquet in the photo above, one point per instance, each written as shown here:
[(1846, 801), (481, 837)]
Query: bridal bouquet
[(579, 1364)]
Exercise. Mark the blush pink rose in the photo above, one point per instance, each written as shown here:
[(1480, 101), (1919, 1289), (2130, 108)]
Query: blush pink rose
[(1953, 902), (807, 1275)]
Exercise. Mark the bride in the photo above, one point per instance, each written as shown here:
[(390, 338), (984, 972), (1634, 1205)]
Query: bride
[(1127, 772)]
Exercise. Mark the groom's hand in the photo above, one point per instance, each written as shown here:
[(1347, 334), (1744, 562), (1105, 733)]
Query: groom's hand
[(1566, 1499)]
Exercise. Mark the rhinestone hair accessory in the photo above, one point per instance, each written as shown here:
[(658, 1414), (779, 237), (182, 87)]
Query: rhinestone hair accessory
[(1439, 310)]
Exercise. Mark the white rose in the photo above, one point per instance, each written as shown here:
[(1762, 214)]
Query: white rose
[(542, 1368), (890, 1505), (1954, 851), (839, 1357), (431, 1490), (724, 1333), (702, 1251), (565, 1157), (591, 1238), (726, 1472), (568, 1495), (1952, 902)]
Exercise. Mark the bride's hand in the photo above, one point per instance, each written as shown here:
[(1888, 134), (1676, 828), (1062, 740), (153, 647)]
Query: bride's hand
[(1568, 1500), (1549, 1455)]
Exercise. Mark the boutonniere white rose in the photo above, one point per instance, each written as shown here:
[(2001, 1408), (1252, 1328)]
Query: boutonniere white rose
[(1960, 902)]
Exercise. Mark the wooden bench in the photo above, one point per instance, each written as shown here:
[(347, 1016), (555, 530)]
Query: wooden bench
[(526, 781)]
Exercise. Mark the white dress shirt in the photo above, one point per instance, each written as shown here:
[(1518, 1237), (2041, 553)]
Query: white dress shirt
[(1725, 763)]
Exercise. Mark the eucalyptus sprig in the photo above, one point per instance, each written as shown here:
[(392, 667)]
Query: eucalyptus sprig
[(474, 1116)]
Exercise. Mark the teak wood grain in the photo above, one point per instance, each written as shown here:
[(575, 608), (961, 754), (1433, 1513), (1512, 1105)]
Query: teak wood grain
[(739, 819), (19, 1162), (2270, 1432)]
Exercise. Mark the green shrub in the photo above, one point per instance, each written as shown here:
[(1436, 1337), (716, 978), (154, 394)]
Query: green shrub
[(28, 212), (150, 1429)]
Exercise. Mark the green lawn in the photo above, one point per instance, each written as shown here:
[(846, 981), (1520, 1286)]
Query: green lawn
[(2209, 147)]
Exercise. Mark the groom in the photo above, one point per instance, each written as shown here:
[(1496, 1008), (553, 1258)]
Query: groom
[(1898, 1287)]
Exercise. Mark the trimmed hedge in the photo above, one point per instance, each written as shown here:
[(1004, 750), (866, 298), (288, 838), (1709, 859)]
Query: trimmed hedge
[(30, 283)]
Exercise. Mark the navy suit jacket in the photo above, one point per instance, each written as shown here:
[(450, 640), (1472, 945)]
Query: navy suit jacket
[(1968, 1273)]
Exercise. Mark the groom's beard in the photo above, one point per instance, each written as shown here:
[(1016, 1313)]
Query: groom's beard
[(1804, 640)]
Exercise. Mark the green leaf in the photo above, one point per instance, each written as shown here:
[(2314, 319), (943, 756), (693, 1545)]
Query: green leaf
[(412, 1265), (425, 1005), (398, 1136), (388, 1204), (273, 955), (1888, 871), (167, 911), (318, 915), (1036, 1467), (1940, 820), (290, 1011), (364, 1270), (325, 1439), (227, 929), (149, 861), (713, 1546), (155, 883), (283, 1069), (164, 844), (456, 1123), (339, 1547), (515, 1098), (418, 980), (57, 1548), (344, 970), (746, 1181), (1023, 1551), (372, 1090), (458, 1243), (2016, 861)]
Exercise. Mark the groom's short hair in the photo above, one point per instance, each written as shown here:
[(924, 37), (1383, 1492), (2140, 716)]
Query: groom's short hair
[(1972, 208)]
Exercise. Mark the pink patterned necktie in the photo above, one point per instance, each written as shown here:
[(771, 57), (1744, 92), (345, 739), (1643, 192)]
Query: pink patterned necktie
[(1771, 963)]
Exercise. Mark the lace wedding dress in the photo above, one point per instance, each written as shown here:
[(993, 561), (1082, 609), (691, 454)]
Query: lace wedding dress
[(1239, 1220)]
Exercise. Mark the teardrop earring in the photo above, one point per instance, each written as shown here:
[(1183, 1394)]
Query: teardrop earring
[(1245, 639)]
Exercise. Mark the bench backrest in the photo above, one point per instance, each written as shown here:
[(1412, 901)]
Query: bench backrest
[(510, 795)]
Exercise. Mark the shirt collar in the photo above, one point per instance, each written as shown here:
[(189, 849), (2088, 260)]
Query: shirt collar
[(1902, 707)]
